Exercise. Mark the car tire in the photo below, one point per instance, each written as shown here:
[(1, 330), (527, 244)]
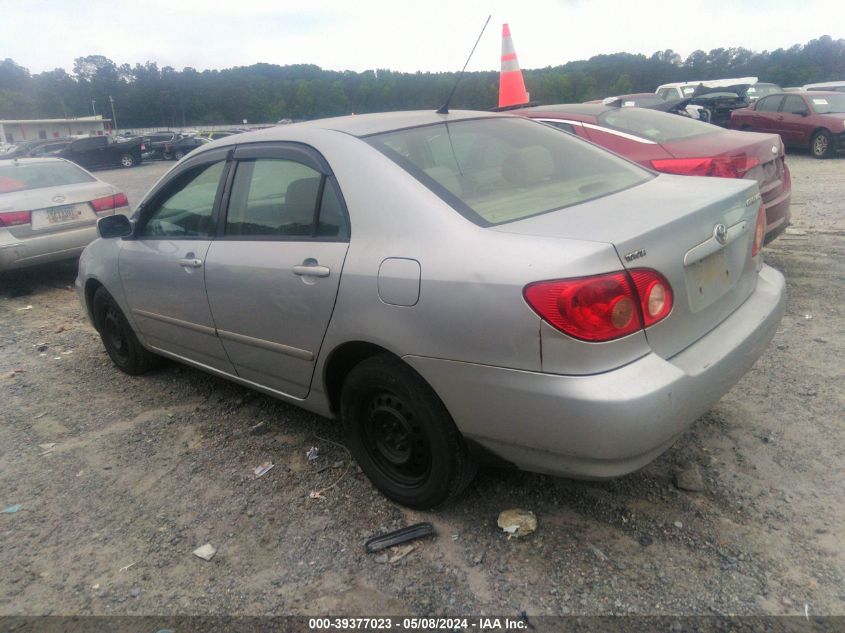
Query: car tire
[(821, 145), (402, 435), (179, 155), (127, 160), (118, 338)]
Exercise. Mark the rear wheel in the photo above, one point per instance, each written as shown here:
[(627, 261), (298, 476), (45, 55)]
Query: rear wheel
[(822, 144), (122, 345), (178, 155), (127, 160), (402, 436)]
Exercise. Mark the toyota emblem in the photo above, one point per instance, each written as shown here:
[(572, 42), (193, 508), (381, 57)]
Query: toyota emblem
[(721, 234), (774, 149), (58, 199)]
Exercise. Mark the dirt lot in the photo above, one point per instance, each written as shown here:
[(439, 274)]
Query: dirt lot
[(144, 470)]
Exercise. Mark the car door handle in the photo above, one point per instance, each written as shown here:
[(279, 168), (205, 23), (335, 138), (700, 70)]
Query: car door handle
[(780, 117), (311, 271), (190, 262)]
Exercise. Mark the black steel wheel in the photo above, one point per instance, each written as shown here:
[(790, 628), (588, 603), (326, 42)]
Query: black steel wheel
[(122, 345), (401, 434)]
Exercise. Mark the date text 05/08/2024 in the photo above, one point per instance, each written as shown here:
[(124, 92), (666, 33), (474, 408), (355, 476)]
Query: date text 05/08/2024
[(490, 624)]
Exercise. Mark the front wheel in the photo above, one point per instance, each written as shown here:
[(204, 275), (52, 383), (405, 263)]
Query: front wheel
[(122, 345), (822, 144), (127, 160), (402, 435)]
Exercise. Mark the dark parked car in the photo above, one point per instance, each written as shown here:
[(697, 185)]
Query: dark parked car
[(718, 103), (185, 145), (680, 145), (103, 151), (26, 149), (156, 142), (814, 120)]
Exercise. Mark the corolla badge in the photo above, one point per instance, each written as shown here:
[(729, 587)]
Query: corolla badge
[(58, 199), (720, 232)]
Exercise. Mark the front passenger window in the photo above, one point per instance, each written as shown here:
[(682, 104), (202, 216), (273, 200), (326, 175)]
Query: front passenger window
[(186, 210)]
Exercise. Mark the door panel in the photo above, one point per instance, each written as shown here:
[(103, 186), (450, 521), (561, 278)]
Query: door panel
[(271, 320), (272, 277), (163, 269)]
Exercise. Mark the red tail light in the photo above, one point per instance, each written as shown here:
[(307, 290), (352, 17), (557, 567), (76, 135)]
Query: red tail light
[(721, 166), (110, 202), (603, 307), (15, 218), (759, 231)]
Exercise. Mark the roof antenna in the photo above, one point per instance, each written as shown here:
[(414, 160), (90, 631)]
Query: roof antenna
[(444, 109)]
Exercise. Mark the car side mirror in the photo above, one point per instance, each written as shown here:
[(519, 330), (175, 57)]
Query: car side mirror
[(114, 226), (804, 113)]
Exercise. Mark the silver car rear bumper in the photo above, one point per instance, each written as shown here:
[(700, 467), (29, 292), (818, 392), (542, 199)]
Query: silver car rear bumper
[(609, 424), (15, 253)]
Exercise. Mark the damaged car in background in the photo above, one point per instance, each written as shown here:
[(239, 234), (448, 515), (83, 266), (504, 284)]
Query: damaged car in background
[(450, 287)]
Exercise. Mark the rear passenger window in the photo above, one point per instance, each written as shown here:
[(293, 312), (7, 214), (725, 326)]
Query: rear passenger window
[(769, 104), (280, 198)]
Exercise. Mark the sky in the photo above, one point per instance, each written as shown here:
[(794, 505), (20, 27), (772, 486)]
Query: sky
[(424, 35)]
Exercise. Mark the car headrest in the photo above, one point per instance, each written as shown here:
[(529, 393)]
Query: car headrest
[(301, 198)]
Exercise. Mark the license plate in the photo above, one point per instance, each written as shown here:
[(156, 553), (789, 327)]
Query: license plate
[(57, 216), (708, 280), (66, 213)]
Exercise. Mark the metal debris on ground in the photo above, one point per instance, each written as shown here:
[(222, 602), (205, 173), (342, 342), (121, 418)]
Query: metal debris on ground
[(26, 308), (517, 523), (206, 552), (402, 535), (400, 552), (263, 469), (128, 567), (11, 509), (313, 453)]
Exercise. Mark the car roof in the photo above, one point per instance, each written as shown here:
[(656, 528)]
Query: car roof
[(825, 84), (361, 124), (36, 160), (810, 94)]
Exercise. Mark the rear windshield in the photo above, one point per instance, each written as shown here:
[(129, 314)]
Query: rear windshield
[(828, 104), (655, 126), (505, 169), (28, 176)]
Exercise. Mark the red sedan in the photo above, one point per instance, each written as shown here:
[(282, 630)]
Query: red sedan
[(814, 120), (678, 145)]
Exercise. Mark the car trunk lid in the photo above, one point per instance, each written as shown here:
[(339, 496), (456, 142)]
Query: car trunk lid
[(55, 208), (669, 224)]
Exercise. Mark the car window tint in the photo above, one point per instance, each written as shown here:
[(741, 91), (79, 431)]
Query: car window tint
[(273, 197), (186, 210), (653, 125), (769, 104), (27, 176), (828, 103), (332, 221), (793, 105), (505, 169)]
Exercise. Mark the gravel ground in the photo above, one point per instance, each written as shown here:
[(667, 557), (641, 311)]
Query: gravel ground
[(144, 470)]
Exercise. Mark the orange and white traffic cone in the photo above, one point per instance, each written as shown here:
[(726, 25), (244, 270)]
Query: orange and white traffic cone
[(511, 86)]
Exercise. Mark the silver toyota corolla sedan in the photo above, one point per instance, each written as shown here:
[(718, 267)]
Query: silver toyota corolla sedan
[(48, 210), (451, 287)]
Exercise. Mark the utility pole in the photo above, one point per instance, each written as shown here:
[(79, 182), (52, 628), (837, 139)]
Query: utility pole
[(93, 109), (113, 116)]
